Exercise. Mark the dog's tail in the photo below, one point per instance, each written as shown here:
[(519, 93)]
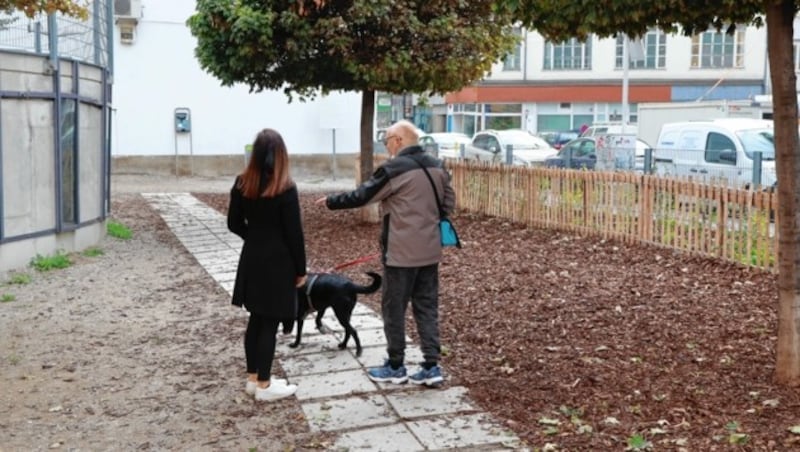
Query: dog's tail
[(373, 287)]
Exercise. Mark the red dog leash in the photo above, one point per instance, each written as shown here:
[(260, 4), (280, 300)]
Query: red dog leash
[(313, 279), (357, 261)]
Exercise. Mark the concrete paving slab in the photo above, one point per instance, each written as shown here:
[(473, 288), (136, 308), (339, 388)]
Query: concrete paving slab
[(390, 438), (375, 356), (319, 363), (369, 337), (225, 256), (353, 412), (218, 265), (224, 277), (359, 322), (362, 309), (428, 402), (310, 344), (461, 431), (309, 329), (333, 384), (228, 286), (207, 247)]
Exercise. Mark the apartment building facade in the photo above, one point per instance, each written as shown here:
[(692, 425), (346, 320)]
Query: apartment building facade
[(552, 86)]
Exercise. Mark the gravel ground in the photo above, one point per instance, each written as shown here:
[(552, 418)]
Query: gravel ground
[(136, 348)]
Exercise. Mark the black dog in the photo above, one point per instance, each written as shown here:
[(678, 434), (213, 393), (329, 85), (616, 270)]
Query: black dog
[(323, 290)]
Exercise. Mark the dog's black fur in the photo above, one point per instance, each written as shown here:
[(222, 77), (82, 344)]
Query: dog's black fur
[(335, 291)]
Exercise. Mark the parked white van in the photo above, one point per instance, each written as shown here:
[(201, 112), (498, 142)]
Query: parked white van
[(717, 151), (610, 128)]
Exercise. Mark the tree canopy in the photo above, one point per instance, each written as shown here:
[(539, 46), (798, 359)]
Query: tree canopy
[(311, 46), (564, 19), (74, 8)]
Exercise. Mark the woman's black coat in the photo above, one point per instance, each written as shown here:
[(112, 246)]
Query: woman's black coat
[(273, 254)]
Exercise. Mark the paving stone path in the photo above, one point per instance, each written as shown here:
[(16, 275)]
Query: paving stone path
[(333, 388)]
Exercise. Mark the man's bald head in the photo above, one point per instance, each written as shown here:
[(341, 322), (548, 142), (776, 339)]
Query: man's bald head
[(400, 135), (405, 130)]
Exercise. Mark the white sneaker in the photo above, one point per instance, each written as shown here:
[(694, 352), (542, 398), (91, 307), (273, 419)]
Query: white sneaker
[(250, 387), (274, 392)]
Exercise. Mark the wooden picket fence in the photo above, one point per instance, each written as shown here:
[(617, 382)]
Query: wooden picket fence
[(733, 224)]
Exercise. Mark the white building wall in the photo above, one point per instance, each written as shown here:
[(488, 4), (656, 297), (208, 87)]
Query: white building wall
[(159, 72), (677, 67)]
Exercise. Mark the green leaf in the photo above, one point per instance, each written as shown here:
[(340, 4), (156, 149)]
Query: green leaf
[(738, 438)]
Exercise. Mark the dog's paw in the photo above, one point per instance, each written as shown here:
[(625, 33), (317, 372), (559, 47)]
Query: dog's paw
[(358, 353), (324, 329), (294, 344), (342, 346)]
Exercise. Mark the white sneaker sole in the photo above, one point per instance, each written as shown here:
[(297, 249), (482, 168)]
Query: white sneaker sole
[(395, 380), (275, 393), (250, 387), (428, 381)]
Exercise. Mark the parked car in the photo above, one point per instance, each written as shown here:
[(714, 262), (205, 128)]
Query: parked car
[(449, 143), (584, 154), (491, 146), (719, 150), (558, 139), (610, 128)]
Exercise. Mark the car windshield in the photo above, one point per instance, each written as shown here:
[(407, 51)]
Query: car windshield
[(524, 140), (758, 140), (450, 140)]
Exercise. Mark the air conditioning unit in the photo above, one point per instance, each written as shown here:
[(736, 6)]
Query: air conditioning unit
[(128, 13), (128, 8)]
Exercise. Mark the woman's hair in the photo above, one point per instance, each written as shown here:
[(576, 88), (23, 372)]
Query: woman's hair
[(267, 173)]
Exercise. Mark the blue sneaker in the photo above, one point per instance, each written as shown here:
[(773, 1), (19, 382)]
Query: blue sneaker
[(386, 374), (428, 377)]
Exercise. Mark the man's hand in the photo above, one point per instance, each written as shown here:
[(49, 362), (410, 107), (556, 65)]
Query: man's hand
[(321, 201), (299, 281)]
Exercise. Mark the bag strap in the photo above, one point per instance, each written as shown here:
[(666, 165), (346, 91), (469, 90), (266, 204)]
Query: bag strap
[(435, 192)]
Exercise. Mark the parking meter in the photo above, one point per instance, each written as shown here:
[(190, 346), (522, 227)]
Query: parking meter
[(183, 127), (183, 120)]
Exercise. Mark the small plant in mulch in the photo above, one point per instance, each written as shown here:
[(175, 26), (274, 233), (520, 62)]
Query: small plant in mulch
[(47, 263), (637, 441), (734, 435), (92, 252), (7, 298), (118, 230), (19, 279)]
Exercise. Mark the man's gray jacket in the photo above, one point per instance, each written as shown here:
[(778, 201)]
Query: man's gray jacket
[(410, 232)]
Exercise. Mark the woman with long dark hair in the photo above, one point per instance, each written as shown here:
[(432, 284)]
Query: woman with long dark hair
[(264, 211)]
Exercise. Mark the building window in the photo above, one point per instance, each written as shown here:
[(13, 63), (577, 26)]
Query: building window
[(714, 49), (502, 116), (571, 54), (513, 61), (652, 48)]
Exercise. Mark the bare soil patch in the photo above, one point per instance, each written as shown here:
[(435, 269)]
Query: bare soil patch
[(136, 349)]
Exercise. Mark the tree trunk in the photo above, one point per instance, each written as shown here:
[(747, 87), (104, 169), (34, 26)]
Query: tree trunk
[(780, 18), (369, 213)]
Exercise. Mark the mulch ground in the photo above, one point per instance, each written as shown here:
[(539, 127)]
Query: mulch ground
[(582, 343)]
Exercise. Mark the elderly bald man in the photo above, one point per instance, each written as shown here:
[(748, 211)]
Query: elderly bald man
[(410, 248)]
